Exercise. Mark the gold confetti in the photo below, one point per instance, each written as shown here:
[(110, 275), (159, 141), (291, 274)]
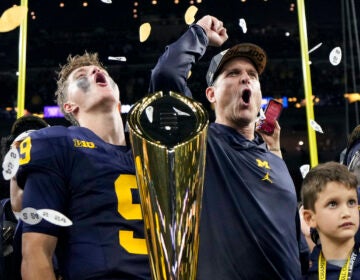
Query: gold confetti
[(190, 14), (144, 31), (12, 18), (189, 74)]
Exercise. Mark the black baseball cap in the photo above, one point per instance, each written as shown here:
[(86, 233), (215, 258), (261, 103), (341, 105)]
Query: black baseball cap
[(251, 51)]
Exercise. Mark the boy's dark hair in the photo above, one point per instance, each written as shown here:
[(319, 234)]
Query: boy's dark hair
[(72, 63), (22, 124), (317, 178)]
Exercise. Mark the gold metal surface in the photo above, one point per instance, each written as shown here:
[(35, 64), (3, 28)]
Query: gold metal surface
[(170, 179)]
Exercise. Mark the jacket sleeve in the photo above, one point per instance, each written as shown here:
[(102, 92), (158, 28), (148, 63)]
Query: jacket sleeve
[(172, 68)]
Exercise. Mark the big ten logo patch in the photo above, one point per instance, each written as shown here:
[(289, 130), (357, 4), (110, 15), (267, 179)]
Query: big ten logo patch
[(83, 144)]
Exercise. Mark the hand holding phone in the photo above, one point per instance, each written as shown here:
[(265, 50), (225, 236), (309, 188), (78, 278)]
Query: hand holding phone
[(272, 114)]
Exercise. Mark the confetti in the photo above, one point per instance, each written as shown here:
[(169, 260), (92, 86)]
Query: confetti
[(242, 24), (118, 58), (10, 164), (190, 14), (316, 126), (262, 114), (304, 169), (189, 74), (106, 1), (12, 18), (54, 217), (315, 48), (144, 31), (335, 56), (30, 216)]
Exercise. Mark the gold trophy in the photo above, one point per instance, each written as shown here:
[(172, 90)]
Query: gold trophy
[(168, 137)]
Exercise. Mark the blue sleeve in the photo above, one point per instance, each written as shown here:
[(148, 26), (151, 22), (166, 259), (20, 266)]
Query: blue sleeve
[(172, 68), (46, 158), (45, 191)]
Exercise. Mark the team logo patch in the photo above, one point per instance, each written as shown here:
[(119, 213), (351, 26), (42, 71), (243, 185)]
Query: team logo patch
[(263, 163), (267, 177), (83, 144)]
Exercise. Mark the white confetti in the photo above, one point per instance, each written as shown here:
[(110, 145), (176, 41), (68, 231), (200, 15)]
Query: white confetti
[(315, 48), (316, 126), (335, 56), (30, 216), (10, 164), (118, 58), (304, 169), (262, 114), (106, 1), (242, 24), (54, 217)]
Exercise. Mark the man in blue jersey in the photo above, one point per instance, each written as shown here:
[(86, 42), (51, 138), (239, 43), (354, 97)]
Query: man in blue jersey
[(249, 226), (85, 172)]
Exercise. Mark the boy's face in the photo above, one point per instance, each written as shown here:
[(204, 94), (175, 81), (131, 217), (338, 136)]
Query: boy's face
[(336, 215)]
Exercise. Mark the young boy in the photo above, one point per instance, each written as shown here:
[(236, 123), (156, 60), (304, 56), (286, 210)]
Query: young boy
[(329, 195)]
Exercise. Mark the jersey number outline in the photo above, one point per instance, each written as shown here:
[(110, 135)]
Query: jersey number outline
[(24, 151)]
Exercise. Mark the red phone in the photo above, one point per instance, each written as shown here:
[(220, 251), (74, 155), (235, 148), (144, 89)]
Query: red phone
[(272, 114)]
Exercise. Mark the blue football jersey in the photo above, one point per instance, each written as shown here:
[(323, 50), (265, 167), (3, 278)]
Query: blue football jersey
[(73, 171)]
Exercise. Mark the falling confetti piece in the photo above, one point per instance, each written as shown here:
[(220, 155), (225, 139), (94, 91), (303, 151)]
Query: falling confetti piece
[(352, 97), (10, 164), (106, 1), (144, 31), (242, 24), (12, 18), (304, 169), (315, 48), (54, 217), (262, 114), (118, 58), (190, 14), (335, 56), (30, 216), (189, 74), (316, 126)]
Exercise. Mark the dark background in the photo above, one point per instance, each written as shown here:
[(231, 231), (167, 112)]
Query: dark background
[(112, 30)]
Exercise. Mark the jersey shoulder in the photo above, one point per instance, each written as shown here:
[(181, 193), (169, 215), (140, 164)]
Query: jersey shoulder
[(45, 150)]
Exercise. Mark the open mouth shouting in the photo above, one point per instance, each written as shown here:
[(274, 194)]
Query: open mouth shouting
[(246, 94), (100, 79)]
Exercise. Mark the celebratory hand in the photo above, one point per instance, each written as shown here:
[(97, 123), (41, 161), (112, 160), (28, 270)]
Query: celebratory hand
[(214, 29)]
